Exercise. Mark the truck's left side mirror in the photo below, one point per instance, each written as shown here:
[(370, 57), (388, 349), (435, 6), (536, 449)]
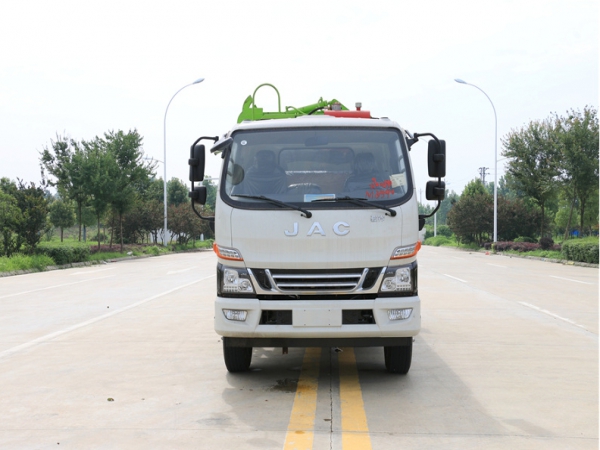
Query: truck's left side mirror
[(196, 162), (435, 190), (198, 195), (436, 160)]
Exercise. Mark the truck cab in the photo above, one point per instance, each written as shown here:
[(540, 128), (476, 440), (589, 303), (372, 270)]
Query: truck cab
[(317, 234)]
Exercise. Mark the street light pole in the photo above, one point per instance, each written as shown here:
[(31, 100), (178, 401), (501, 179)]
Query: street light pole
[(199, 80), (458, 80)]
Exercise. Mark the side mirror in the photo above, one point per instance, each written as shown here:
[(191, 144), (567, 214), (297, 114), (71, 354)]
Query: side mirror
[(435, 190), (196, 162), (198, 195), (436, 159)]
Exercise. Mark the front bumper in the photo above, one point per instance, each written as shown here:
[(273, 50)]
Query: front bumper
[(319, 320)]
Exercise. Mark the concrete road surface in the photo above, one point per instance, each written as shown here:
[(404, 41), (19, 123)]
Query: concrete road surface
[(124, 356)]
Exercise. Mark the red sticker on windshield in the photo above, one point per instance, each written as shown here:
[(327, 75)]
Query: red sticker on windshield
[(380, 189)]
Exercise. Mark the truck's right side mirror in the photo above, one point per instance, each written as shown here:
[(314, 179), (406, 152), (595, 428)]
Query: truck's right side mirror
[(196, 162), (435, 190), (436, 159)]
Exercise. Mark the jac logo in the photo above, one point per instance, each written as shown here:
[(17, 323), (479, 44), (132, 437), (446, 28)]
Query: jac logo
[(339, 228)]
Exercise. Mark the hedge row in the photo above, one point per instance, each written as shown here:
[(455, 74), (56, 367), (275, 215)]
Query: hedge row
[(64, 254), (436, 241), (583, 251)]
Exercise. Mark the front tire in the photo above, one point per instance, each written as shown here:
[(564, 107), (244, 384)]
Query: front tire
[(237, 359), (398, 359)]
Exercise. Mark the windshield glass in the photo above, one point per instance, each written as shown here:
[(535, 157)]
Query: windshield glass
[(304, 165)]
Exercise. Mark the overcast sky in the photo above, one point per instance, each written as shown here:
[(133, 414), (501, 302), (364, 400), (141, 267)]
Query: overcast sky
[(79, 69)]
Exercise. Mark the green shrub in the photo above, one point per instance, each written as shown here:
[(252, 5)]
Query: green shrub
[(546, 243), (437, 241), (100, 235), (428, 231), (65, 253), (444, 230), (525, 239), (152, 250), (582, 250)]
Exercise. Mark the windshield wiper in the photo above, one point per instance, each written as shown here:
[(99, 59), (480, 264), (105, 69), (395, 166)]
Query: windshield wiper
[(357, 201), (304, 212)]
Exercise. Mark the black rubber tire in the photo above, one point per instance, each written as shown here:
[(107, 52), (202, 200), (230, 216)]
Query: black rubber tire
[(398, 359), (237, 359)]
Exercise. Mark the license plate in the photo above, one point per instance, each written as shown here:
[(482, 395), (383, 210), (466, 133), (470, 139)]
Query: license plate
[(317, 318)]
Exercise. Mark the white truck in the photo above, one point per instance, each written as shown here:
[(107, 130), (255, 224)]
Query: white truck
[(316, 231)]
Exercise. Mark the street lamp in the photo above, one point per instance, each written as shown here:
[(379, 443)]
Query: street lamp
[(199, 80), (458, 80)]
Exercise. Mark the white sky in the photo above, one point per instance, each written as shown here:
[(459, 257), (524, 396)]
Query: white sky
[(82, 68)]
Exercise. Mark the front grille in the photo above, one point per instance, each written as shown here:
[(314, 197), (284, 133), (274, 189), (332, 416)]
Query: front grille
[(316, 281)]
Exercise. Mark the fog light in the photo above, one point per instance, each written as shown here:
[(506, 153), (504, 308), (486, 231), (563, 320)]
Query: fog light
[(399, 314), (235, 314)]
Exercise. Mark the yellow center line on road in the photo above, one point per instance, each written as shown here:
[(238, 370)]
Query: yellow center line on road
[(355, 430), (300, 432)]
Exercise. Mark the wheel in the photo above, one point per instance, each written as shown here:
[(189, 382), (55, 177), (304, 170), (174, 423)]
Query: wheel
[(397, 359), (237, 359)]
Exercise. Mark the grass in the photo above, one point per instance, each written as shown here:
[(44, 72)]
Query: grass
[(550, 254), (443, 241), (102, 256), (19, 261)]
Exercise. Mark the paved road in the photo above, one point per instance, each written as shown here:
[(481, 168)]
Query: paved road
[(124, 356)]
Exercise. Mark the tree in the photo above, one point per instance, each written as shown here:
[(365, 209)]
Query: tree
[(516, 218), (186, 225), (155, 190), (578, 134), (32, 202), (211, 192), (62, 215), (64, 160), (177, 192), (154, 218), (130, 173), (471, 218), (10, 216), (99, 167), (475, 187), (534, 158), (450, 199)]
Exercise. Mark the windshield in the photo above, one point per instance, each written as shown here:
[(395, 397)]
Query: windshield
[(315, 165)]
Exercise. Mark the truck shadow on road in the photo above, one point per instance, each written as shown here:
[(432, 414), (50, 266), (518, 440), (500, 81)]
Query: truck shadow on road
[(430, 399)]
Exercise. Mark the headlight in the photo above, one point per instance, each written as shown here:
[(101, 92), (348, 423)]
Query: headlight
[(400, 280), (233, 281)]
